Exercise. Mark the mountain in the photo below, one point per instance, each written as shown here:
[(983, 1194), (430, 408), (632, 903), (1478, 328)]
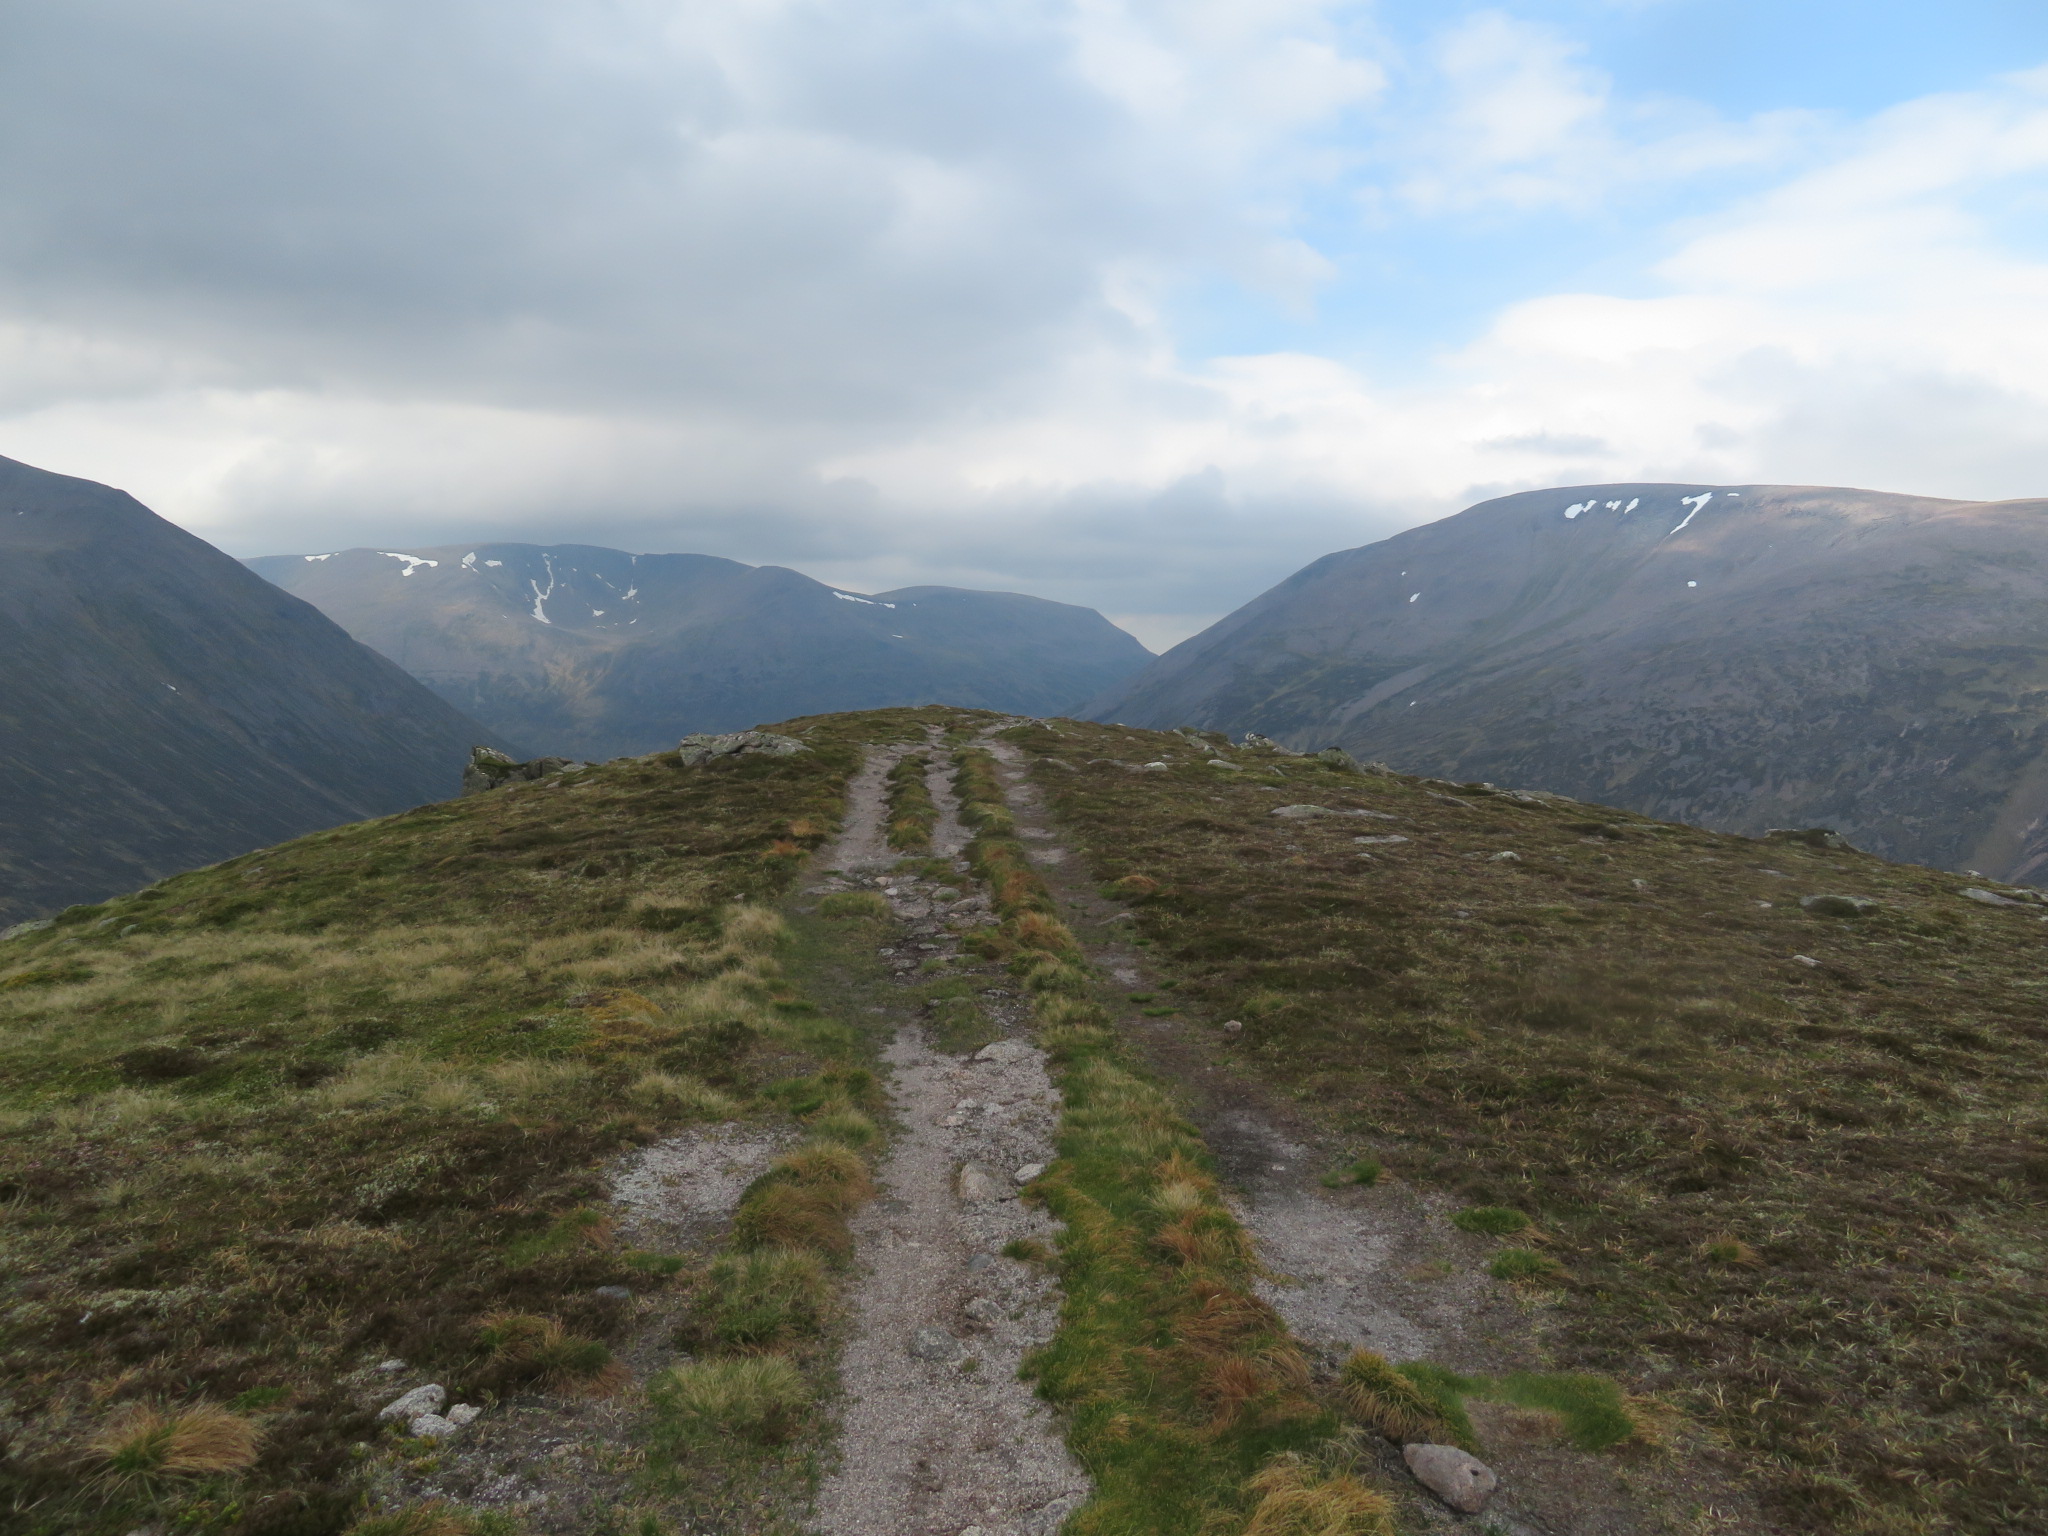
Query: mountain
[(1741, 657), (161, 707), (593, 653)]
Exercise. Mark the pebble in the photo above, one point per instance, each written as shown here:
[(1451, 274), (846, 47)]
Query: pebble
[(427, 1399), (1461, 1480), (613, 1293), (388, 1367), (1028, 1172)]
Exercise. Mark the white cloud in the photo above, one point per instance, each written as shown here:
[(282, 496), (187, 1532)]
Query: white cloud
[(888, 293)]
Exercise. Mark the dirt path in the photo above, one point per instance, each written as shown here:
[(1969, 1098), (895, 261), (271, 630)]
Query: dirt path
[(939, 1437), (1380, 1268)]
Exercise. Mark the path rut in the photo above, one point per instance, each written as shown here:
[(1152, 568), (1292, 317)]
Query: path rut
[(939, 1436), (1379, 1268)]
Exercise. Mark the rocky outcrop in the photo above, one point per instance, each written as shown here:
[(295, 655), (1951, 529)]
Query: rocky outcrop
[(491, 769), (693, 750)]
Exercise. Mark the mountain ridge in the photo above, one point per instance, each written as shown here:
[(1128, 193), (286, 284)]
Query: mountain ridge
[(597, 653), (1738, 656), (165, 708)]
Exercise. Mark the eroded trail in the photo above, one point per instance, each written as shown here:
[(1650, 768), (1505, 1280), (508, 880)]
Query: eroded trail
[(939, 1436), (1378, 1268)]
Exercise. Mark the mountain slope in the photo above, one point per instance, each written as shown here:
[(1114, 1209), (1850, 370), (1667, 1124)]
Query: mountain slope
[(594, 653), (1740, 657), (161, 707)]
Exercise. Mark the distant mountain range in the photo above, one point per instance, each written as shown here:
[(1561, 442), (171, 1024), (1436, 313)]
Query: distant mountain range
[(161, 707), (592, 653), (1743, 657)]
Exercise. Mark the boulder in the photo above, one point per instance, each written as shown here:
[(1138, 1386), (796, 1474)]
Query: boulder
[(692, 751), (1838, 906), (1974, 893), (491, 769), (1344, 762), (1457, 1477), (428, 1399), (33, 925)]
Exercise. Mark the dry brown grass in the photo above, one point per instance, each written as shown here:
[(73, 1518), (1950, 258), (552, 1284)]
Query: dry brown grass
[(143, 1441), (1380, 1397), (1297, 1498)]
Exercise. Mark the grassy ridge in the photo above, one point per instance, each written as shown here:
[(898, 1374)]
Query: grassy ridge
[(1189, 1403), (1794, 1163), (911, 815), (347, 1098)]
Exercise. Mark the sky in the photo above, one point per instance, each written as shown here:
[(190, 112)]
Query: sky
[(1132, 304)]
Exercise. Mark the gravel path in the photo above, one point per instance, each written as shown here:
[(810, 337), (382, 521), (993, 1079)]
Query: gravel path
[(939, 1436)]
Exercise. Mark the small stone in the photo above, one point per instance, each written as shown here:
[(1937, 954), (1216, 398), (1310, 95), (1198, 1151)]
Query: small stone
[(1806, 960), (1003, 1051), (1232, 1026), (1389, 837), (464, 1413), (1841, 906), (1028, 1172), (982, 1310), (976, 1185), (933, 1344), (978, 1263), (1507, 856), (1153, 768), (427, 1399), (1461, 1480), (1217, 762), (388, 1367), (431, 1426), (613, 1293)]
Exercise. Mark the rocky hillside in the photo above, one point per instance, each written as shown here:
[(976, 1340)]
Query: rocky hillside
[(1742, 657), (1264, 1145), (591, 653), (161, 707)]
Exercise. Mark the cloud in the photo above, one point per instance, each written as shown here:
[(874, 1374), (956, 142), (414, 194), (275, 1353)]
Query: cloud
[(898, 292)]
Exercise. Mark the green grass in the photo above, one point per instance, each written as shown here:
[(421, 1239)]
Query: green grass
[(1494, 1220), (1364, 1172), (352, 1097), (911, 814), (1804, 1201)]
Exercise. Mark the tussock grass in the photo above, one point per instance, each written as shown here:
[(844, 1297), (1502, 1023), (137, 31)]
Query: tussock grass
[(1380, 1397), (434, 1519), (1296, 1498), (1494, 1220), (144, 1441), (1525, 1266), (766, 1297), (521, 1349), (755, 1397), (854, 904)]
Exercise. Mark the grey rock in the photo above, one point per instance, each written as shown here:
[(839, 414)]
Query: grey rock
[(1390, 837), (983, 1310), (1028, 1172), (391, 1367), (1509, 856), (1003, 1051), (1839, 906), (20, 930), (1461, 1480), (1217, 762), (464, 1413), (1342, 761), (975, 1185), (1232, 1026), (428, 1399), (491, 769), (1254, 742), (933, 1344), (1990, 898), (613, 1293), (431, 1426), (979, 1262), (694, 750)]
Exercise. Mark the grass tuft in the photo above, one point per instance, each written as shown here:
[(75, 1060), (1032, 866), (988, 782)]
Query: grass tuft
[(1297, 1498), (861, 904), (1525, 1266), (142, 1442), (1494, 1220), (767, 1297), (756, 1397), (522, 1349), (1396, 1405), (1365, 1173)]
